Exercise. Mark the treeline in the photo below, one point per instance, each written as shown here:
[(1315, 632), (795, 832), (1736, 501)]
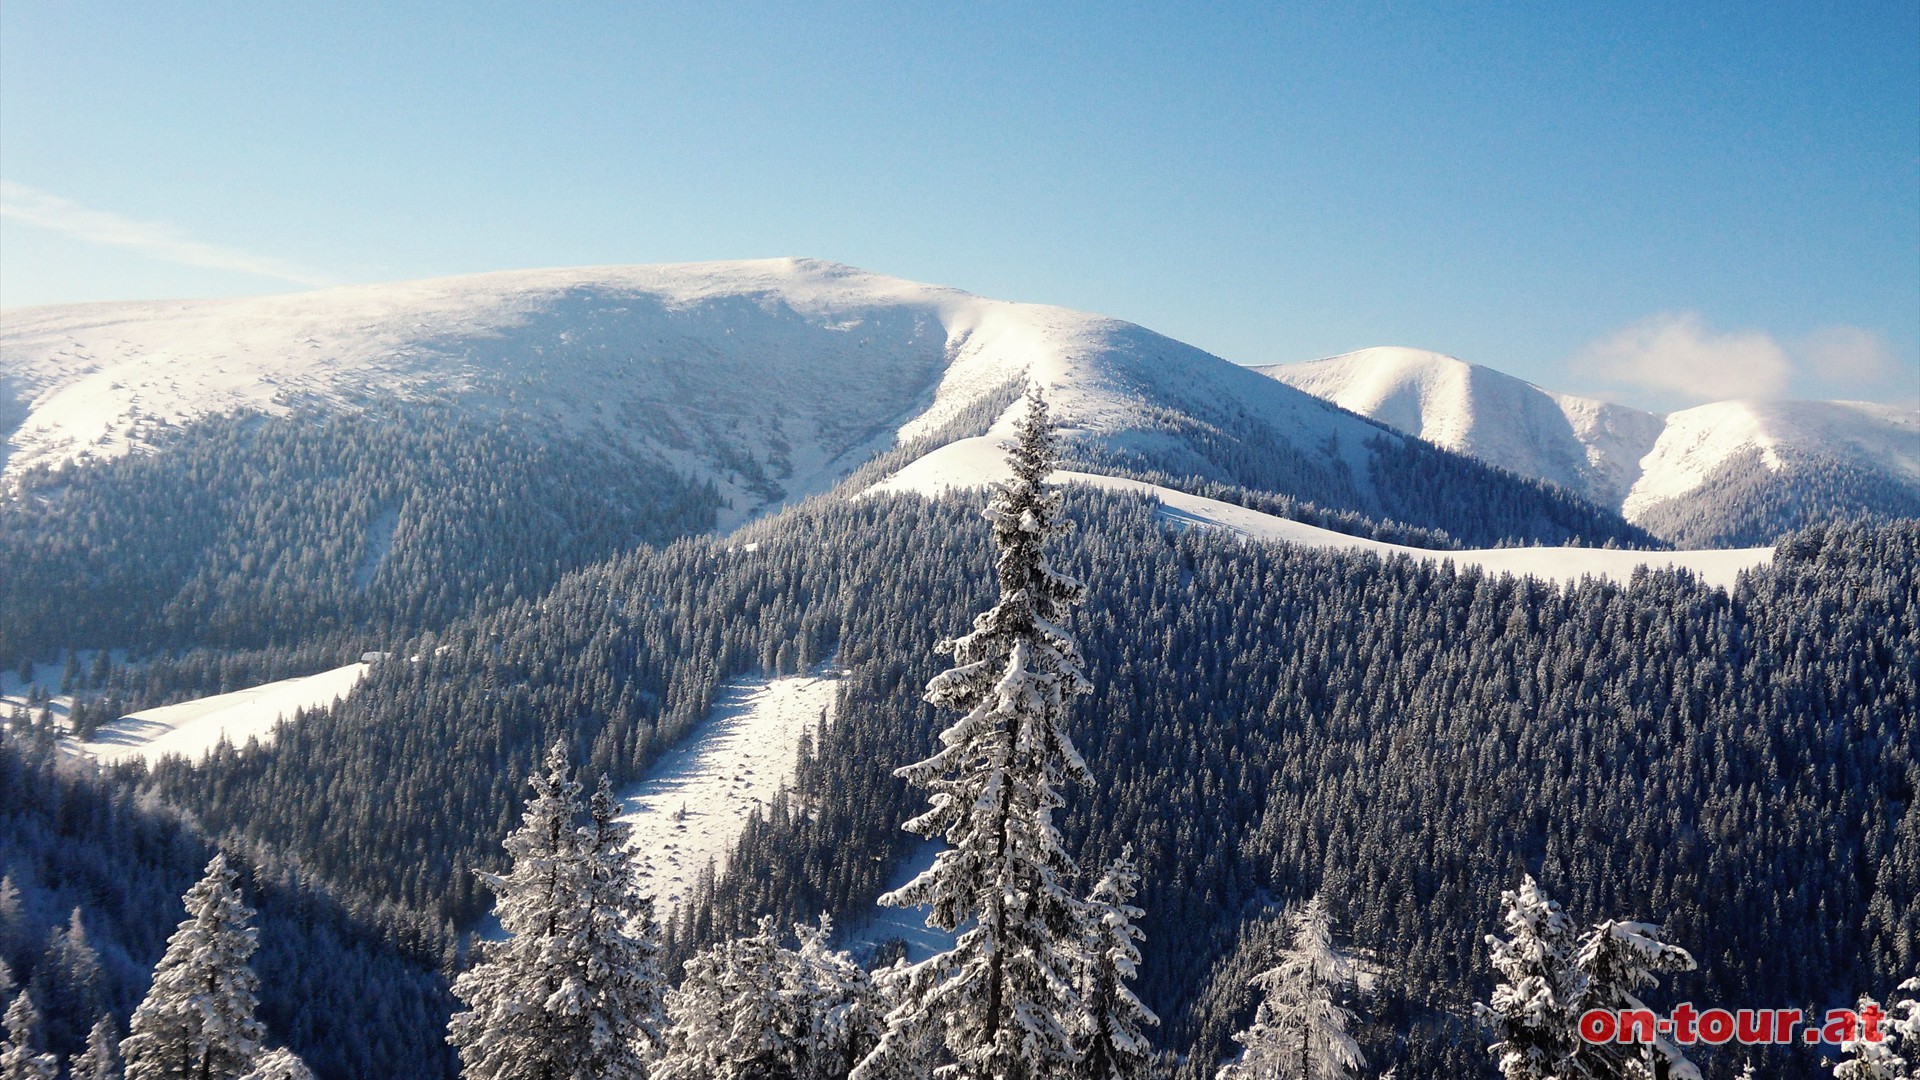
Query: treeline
[(90, 881), (1409, 483), (1403, 737), (248, 531)]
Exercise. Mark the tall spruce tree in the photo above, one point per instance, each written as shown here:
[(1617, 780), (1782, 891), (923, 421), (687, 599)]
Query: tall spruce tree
[(20, 1056), (1616, 959), (101, 1059), (1534, 1010), (527, 996), (1003, 996), (1112, 1044), (625, 996), (196, 1022), (1299, 1031), (69, 986)]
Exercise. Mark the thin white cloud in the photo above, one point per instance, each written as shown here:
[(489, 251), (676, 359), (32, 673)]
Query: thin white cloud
[(1678, 353), (1677, 359), (31, 206)]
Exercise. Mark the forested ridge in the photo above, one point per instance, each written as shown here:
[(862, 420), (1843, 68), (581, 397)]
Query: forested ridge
[(1267, 721), (250, 531)]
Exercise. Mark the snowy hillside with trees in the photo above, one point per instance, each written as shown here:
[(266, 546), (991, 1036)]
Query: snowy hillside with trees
[(978, 462), (571, 501), (1726, 471)]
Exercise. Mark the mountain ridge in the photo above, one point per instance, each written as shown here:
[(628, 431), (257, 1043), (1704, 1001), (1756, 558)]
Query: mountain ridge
[(772, 379), (1673, 468)]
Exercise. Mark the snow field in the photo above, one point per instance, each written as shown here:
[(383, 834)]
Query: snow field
[(694, 804), (191, 728)]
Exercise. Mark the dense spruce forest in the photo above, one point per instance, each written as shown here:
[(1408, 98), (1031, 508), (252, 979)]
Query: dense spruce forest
[(1267, 723), (332, 528), (250, 531)]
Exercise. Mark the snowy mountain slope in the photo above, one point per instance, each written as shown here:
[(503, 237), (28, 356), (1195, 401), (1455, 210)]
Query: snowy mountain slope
[(1584, 445), (979, 461), (1652, 468), (1695, 443), (773, 376)]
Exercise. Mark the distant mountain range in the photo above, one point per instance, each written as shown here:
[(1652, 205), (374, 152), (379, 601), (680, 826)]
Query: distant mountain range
[(1727, 472), (774, 379)]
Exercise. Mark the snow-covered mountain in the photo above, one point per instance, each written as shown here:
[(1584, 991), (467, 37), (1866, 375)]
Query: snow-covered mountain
[(774, 376), (1711, 473)]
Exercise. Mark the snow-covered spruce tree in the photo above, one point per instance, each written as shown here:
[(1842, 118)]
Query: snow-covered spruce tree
[(197, 1018), (835, 1006), (625, 1002), (101, 1059), (1003, 997), (1896, 1054), (20, 1056), (527, 996), (280, 1064), (1299, 1032), (1533, 1013), (1111, 1043), (1615, 960), (752, 1008), (1871, 1059), (726, 1013)]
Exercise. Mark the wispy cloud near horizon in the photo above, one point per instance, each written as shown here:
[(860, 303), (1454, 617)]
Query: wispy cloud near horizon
[(42, 209), (1678, 358)]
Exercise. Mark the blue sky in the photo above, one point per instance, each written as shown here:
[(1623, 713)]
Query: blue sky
[(1662, 204)]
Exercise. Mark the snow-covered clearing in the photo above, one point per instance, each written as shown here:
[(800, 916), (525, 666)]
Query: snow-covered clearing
[(975, 462), (693, 805), (191, 728)]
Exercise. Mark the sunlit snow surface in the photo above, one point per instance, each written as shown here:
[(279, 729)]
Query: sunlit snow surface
[(1626, 458), (973, 462), (191, 728), (798, 368), (694, 803)]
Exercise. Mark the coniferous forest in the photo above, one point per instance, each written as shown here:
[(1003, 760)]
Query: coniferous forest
[(1317, 785)]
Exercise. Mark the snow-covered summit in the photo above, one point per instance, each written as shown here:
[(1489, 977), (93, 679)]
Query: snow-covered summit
[(1650, 467), (772, 376), (1697, 443), (1587, 446)]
